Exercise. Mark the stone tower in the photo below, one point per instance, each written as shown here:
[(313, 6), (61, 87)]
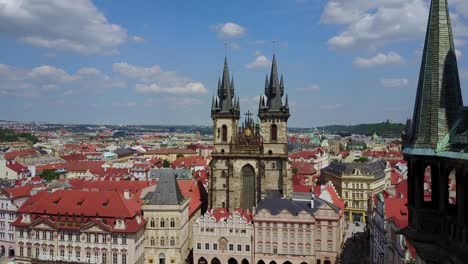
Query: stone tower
[(245, 166), (435, 148)]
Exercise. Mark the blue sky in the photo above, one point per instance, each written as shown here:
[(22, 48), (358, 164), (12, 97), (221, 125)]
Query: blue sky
[(157, 62)]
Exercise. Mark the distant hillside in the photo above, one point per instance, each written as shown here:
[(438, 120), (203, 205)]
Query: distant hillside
[(384, 128), (8, 135)]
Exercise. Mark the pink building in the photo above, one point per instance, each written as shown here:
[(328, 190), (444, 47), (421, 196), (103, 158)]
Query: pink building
[(304, 230)]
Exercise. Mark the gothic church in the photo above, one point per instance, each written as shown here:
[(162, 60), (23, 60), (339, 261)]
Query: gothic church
[(249, 158)]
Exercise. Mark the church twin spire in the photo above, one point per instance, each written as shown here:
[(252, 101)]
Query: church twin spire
[(225, 102), (271, 104)]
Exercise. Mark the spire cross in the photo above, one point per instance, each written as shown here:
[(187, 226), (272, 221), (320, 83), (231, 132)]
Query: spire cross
[(274, 46), (249, 114)]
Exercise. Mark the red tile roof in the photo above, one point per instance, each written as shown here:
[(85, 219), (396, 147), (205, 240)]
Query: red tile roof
[(222, 214), (20, 153), (335, 198), (17, 167), (304, 168), (395, 177), (111, 172), (402, 189), (21, 191), (73, 157), (87, 203), (83, 207), (84, 165), (305, 154), (189, 162), (106, 185), (396, 211), (190, 189), (55, 166)]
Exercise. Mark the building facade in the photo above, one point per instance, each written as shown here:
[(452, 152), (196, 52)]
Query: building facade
[(168, 231), (249, 158), (434, 145), (223, 237), (298, 231), (354, 182), (11, 199), (74, 226)]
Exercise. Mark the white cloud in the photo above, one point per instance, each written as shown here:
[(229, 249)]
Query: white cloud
[(234, 46), (394, 83), (131, 104), (377, 60), (132, 71), (375, 23), (458, 53), (69, 25), (260, 62), (313, 87), (229, 30), (46, 79), (189, 88), (153, 80), (138, 39)]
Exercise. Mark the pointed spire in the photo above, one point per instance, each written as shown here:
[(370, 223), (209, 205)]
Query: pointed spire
[(282, 85), (226, 104), (267, 84), (274, 74), (286, 103), (438, 98)]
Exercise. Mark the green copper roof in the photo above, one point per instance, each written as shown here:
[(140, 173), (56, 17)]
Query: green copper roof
[(438, 100)]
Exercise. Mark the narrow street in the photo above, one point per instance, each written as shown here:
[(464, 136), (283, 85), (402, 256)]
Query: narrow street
[(356, 247)]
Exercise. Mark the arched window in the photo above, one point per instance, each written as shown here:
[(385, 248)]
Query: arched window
[(152, 224), (162, 223), (172, 243), (273, 132), (161, 242), (172, 222), (273, 165), (152, 242), (452, 187), (224, 133)]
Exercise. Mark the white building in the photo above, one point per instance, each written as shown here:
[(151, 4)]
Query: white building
[(223, 237)]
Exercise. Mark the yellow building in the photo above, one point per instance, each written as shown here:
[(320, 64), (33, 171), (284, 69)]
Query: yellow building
[(354, 182)]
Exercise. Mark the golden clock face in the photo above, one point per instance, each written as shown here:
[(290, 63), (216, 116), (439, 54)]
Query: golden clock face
[(248, 132)]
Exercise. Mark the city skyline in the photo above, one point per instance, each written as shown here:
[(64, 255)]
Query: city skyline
[(345, 62)]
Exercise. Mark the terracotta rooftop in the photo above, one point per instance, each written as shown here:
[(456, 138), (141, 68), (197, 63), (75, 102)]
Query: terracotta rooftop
[(19, 153)]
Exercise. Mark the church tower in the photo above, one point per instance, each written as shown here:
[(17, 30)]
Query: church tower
[(225, 112), (274, 114), (249, 159)]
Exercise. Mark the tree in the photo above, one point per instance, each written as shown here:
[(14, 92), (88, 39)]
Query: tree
[(166, 164), (295, 170), (49, 175), (180, 155)]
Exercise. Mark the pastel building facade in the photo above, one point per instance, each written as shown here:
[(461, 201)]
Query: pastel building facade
[(297, 231), (74, 226), (223, 237)]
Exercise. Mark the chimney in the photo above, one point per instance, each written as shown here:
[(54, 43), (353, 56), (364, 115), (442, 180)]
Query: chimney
[(312, 200)]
